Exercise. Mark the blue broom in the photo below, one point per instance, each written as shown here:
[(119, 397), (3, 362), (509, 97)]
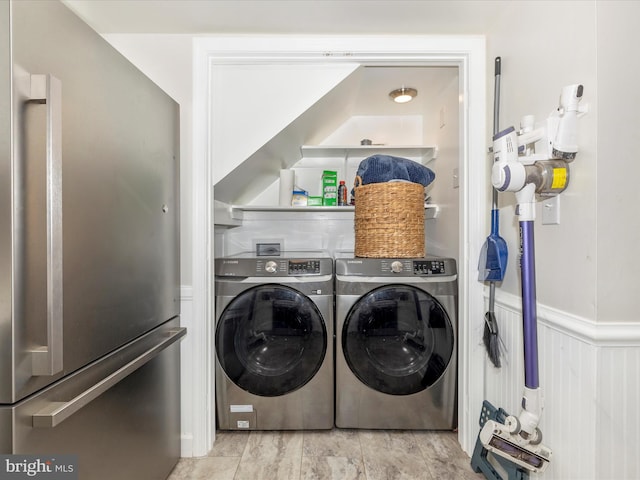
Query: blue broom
[(494, 254)]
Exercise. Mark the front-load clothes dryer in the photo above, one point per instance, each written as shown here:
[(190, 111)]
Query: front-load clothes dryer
[(396, 328), (274, 342)]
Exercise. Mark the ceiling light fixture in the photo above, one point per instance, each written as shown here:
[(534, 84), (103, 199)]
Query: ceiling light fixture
[(403, 95)]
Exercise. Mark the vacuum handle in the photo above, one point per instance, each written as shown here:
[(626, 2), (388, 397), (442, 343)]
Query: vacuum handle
[(529, 308), (496, 95)]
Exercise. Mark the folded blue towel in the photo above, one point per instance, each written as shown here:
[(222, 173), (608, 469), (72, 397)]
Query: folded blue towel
[(383, 168)]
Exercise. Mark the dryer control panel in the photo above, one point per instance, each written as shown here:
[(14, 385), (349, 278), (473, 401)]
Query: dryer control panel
[(417, 267), (429, 267), (397, 267)]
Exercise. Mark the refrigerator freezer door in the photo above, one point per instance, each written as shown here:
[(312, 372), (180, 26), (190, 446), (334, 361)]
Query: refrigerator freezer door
[(120, 415), (112, 268)]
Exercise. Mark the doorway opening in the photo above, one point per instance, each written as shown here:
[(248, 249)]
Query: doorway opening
[(467, 54)]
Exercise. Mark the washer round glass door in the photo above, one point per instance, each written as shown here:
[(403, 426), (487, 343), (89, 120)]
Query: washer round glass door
[(271, 340), (398, 339)]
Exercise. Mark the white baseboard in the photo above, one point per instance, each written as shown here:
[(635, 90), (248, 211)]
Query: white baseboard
[(187, 377), (186, 446)]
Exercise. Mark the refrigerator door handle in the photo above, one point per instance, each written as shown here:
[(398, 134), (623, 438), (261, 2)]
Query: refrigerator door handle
[(47, 359), (56, 412)]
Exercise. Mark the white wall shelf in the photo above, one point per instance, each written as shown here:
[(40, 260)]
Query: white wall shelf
[(232, 215), (425, 153), (431, 210)]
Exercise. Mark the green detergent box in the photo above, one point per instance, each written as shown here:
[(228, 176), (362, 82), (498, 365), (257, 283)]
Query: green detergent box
[(329, 188)]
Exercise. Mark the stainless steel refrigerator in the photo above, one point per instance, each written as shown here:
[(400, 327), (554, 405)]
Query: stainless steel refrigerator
[(89, 241)]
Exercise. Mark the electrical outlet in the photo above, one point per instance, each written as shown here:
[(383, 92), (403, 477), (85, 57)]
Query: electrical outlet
[(551, 210)]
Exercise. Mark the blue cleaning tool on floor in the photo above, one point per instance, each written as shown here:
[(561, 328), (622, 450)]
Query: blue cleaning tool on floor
[(480, 461)]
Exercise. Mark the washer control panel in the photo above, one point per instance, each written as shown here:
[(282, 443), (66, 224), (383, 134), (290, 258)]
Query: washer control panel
[(304, 267), (288, 267), (273, 267)]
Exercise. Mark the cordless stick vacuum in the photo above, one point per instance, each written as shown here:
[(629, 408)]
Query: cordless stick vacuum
[(519, 168)]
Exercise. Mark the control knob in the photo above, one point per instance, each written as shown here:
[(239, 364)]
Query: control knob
[(271, 266), (396, 266)]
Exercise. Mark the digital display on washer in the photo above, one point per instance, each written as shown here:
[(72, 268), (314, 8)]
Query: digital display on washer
[(304, 267), (428, 267)]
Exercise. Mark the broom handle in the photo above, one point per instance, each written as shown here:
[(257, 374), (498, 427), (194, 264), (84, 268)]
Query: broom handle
[(492, 296), (496, 117), (495, 214)]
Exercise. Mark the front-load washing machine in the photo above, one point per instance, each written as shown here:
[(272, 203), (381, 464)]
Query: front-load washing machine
[(396, 328), (274, 341)]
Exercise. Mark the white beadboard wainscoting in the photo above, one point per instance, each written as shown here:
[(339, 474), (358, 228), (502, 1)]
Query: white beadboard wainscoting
[(590, 379)]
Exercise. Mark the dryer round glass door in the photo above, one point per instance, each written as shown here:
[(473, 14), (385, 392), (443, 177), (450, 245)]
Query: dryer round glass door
[(271, 340), (398, 339)]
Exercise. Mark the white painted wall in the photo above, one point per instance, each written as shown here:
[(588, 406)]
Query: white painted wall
[(618, 169), (541, 52), (618, 237), (443, 233)]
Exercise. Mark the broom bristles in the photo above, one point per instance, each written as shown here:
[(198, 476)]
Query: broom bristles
[(492, 341)]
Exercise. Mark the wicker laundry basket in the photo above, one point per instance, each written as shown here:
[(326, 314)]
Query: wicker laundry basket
[(389, 220)]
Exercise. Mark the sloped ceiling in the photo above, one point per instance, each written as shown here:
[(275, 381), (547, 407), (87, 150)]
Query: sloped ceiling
[(377, 82), (259, 170), (363, 93)]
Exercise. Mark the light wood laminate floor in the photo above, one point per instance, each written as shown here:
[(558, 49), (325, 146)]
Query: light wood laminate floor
[(330, 455)]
